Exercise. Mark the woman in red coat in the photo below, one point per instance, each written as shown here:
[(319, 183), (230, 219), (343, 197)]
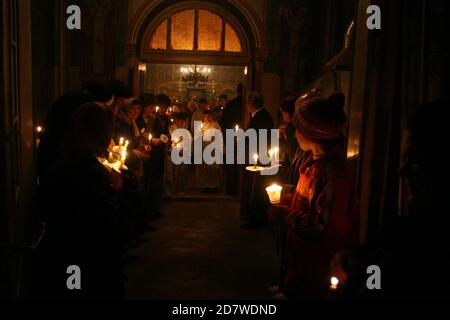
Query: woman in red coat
[(321, 214)]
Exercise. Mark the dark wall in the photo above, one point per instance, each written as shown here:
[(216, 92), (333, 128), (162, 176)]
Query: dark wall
[(303, 36), (407, 66)]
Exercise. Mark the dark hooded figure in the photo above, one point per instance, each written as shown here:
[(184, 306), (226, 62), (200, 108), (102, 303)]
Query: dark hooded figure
[(58, 119), (78, 203)]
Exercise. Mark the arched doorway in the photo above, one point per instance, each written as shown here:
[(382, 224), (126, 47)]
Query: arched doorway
[(170, 41), (237, 19)]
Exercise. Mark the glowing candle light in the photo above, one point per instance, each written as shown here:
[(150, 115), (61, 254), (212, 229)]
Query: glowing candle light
[(255, 157), (39, 129), (157, 109), (274, 192), (126, 144), (237, 127), (123, 157), (150, 138), (334, 283), (121, 142)]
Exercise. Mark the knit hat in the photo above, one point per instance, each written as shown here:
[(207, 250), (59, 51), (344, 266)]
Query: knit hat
[(320, 119)]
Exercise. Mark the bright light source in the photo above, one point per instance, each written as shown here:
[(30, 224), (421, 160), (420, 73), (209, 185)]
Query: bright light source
[(142, 67), (334, 283), (245, 70), (39, 129)]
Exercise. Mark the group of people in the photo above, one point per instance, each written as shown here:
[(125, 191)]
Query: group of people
[(317, 220), (93, 211)]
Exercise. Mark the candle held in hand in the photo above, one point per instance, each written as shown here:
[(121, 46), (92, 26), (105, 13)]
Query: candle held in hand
[(123, 157), (274, 192)]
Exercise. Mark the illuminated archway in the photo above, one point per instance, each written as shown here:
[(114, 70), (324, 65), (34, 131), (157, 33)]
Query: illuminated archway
[(236, 16)]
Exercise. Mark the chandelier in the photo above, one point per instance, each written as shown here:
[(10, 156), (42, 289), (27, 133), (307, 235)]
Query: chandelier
[(195, 77)]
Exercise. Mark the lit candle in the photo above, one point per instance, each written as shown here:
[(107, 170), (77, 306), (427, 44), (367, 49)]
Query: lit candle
[(39, 129), (157, 109), (123, 157), (334, 283), (126, 144), (255, 157), (237, 127), (274, 192), (121, 142)]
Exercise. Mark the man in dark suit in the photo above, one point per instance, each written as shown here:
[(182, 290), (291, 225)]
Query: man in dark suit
[(255, 202), (232, 116), (233, 111)]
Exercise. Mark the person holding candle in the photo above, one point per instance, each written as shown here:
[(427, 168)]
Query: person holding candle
[(232, 116), (79, 203), (291, 153), (321, 216), (175, 176), (207, 176), (254, 206)]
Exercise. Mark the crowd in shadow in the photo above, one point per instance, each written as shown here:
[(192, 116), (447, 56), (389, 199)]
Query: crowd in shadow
[(94, 212)]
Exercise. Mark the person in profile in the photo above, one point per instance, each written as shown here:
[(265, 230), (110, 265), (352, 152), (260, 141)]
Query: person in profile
[(321, 215), (79, 204), (58, 119), (255, 202)]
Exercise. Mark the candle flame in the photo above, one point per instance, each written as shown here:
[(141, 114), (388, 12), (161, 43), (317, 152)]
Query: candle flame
[(334, 283), (39, 129)]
